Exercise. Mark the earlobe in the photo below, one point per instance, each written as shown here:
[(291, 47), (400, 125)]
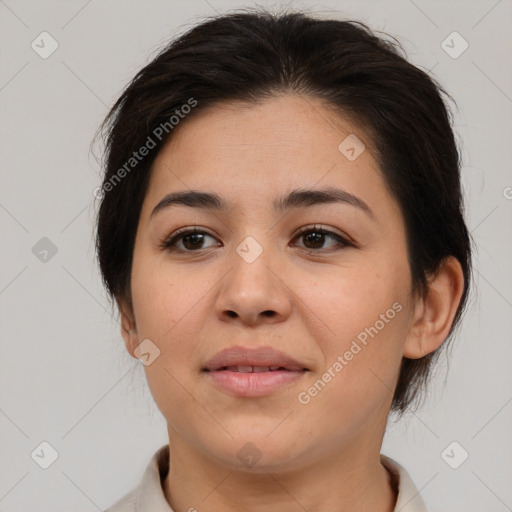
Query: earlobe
[(128, 328), (434, 314)]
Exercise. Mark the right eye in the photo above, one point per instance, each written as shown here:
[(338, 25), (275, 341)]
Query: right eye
[(191, 240)]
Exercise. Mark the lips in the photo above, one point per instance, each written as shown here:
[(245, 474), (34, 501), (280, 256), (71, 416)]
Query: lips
[(252, 369), (252, 360), (252, 373)]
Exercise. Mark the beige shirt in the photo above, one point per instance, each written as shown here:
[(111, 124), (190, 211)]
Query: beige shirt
[(149, 496)]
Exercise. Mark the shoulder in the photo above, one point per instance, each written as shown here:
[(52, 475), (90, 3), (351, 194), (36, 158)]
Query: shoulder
[(408, 498), (125, 504), (149, 494)]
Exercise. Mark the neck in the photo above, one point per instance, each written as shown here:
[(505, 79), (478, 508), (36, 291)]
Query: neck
[(351, 478)]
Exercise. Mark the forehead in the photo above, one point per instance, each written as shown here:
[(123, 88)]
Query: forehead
[(288, 125), (264, 150)]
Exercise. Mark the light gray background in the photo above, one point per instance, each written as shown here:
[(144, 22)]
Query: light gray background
[(65, 376)]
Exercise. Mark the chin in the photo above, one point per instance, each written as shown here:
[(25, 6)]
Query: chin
[(259, 454)]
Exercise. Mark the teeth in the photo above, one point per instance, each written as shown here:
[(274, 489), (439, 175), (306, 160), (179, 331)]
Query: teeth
[(252, 369), (257, 369), (244, 369)]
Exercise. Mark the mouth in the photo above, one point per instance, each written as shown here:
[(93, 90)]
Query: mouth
[(253, 372), (253, 360), (254, 369)]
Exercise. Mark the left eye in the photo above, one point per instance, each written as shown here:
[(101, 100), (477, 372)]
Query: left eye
[(192, 240), (316, 237)]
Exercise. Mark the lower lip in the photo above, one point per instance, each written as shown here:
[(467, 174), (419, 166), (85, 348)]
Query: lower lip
[(253, 384)]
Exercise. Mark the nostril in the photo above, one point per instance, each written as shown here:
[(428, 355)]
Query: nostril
[(231, 314), (269, 313)]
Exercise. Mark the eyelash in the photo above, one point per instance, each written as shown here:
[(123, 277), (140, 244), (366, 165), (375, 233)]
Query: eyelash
[(168, 243)]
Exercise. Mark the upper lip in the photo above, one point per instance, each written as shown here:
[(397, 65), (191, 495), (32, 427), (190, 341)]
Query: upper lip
[(259, 356)]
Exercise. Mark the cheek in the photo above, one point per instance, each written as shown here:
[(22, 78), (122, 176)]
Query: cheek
[(349, 299), (362, 363), (168, 307), (360, 316), (163, 297)]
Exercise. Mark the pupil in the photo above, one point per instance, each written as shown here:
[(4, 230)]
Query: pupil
[(195, 240), (315, 238)]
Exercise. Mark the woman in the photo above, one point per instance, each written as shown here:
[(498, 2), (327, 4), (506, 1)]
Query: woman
[(281, 227)]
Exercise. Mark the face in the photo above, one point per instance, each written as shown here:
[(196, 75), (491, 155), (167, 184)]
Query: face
[(325, 282)]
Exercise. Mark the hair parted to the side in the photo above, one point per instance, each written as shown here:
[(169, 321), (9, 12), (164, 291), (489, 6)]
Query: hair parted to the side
[(251, 55)]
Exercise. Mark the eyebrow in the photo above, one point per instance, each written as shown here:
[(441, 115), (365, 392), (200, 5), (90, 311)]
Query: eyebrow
[(299, 198)]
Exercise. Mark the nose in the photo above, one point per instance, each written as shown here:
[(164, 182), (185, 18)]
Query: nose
[(253, 293)]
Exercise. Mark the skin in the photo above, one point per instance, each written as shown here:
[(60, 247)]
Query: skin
[(323, 455)]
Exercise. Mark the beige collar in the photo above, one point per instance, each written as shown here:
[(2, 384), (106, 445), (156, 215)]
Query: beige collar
[(149, 494)]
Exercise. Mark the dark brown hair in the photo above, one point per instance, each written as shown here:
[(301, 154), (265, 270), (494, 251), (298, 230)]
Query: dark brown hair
[(251, 55)]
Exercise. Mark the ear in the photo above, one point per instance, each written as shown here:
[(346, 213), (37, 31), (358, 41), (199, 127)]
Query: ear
[(433, 314), (128, 326)]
